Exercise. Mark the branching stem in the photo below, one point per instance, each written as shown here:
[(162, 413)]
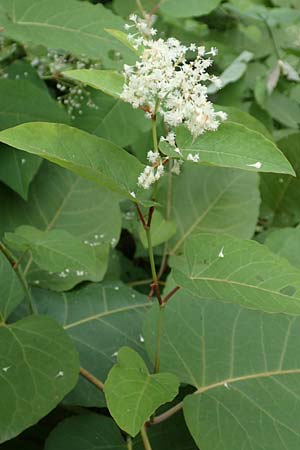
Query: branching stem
[(21, 275), (158, 337), (92, 379)]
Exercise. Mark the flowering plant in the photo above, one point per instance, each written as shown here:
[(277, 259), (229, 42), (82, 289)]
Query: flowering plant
[(150, 294)]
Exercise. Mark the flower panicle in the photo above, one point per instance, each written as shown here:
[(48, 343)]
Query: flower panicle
[(164, 75)]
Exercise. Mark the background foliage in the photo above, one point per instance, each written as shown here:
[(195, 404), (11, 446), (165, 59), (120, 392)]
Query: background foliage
[(74, 268)]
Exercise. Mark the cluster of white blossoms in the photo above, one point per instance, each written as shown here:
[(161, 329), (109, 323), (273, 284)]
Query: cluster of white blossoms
[(151, 173), (164, 81)]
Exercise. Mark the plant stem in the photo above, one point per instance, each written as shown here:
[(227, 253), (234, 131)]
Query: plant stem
[(143, 282), (91, 378), (151, 255), (170, 294), (158, 337), (154, 129), (129, 442), (14, 263), (140, 8), (154, 134), (145, 439), (166, 415)]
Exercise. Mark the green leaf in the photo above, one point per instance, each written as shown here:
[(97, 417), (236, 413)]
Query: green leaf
[(284, 109), (12, 292), (78, 28), (280, 194), (244, 365), (122, 37), (59, 199), (189, 8), (112, 119), (238, 116), (39, 366), (133, 394), (211, 199), (94, 431), (236, 271), (108, 81), (124, 8), (61, 255), (18, 169), (86, 155), (285, 242), (99, 318), (232, 145), (22, 101), (161, 230), (234, 71), (86, 432)]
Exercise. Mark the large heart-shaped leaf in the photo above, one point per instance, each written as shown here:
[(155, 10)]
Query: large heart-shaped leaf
[(86, 155), (99, 318), (244, 365), (237, 271), (203, 199), (39, 366), (11, 293), (133, 394), (22, 101), (74, 26), (59, 199), (232, 145), (61, 255)]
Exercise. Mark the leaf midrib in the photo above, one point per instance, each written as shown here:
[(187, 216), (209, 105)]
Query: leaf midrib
[(104, 314), (253, 376), (61, 27), (240, 283)]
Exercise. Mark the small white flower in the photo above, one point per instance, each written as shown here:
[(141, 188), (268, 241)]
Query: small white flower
[(152, 156), (62, 275), (59, 374), (176, 169), (133, 194), (150, 175), (79, 273), (142, 338), (195, 158), (257, 165), (177, 150), (5, 369), (213, 51), (221, 253)]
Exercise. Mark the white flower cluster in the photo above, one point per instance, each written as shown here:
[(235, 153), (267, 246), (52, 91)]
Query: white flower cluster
[(164, 81), (151, 173)]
